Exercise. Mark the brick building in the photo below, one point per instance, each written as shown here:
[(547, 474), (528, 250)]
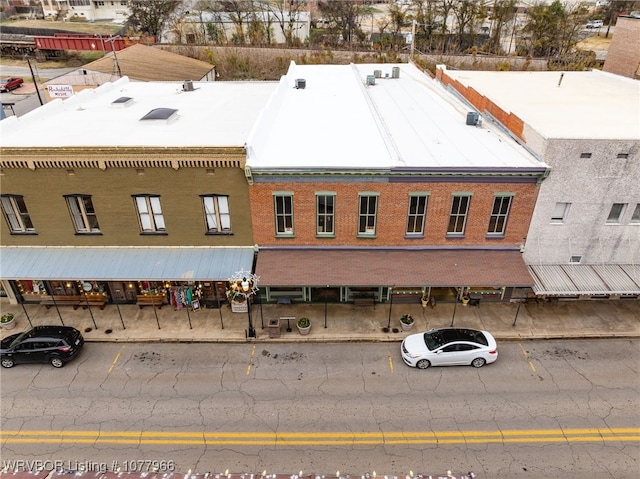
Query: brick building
[(623, 57), (374, 182)]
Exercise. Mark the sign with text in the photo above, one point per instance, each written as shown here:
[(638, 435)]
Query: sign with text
[(60, 91)]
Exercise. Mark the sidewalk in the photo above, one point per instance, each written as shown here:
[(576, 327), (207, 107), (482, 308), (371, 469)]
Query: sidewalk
[(344, 322)]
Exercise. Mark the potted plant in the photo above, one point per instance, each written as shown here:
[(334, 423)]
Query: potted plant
[(406, 321), (304, 325), (8, 321)]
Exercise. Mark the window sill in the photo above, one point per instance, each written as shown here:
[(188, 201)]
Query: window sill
[(454, 236), (495, 237), (90, 233), (285, 235), (218, 233), (366, 236), (24, 233), (154, 233), (413, 236), (325, 235)]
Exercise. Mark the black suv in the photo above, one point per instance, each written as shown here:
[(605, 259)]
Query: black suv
[(42, 344)]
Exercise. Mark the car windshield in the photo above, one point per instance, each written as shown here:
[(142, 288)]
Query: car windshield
[(433, 339), (21, 337)]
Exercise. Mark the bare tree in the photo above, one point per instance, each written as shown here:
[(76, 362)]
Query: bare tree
[(150, 18), (287, 15), (344, 17), (502, 13)]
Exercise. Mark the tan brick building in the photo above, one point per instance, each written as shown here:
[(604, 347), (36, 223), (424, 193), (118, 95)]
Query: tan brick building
[(623, 57)]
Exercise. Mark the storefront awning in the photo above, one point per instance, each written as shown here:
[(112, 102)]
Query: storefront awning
[(585, 279), (124, 263), (391, 267)]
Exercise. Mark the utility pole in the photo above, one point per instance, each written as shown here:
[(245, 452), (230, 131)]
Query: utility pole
[(33, 77)]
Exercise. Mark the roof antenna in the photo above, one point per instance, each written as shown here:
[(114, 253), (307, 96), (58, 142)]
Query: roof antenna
[(560, 81)]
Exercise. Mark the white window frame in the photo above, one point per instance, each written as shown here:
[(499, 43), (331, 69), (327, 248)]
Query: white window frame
[(367, 219), (416, 214), (616, 213), (283, 213), (326, 220), (458, 214), (500, 218), (635, 217), (150, 213), (80, 214), (216, 212), (16, 214), (560, 212)]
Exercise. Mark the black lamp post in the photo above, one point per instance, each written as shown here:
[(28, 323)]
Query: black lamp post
[(245, 284)]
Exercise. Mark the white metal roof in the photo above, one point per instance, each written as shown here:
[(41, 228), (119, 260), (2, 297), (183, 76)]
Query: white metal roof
[(571, 105), (213, 114), (585, 279), (124, 263), (338, 120)]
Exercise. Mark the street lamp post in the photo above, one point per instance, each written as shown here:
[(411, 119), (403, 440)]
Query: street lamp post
[(245, 284)]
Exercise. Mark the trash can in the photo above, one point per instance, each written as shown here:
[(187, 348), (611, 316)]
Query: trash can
[(274, 328)]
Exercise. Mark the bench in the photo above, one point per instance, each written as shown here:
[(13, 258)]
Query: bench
[(150, 300), (99, 301), (61, 300), (364, 301)]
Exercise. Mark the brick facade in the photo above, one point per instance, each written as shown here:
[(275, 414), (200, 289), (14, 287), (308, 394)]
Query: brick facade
[(623, 57), (391, 221)]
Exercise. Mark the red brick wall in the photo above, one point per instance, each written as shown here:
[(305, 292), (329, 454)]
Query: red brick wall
[(623, 56), (482, 103), (391, 220)]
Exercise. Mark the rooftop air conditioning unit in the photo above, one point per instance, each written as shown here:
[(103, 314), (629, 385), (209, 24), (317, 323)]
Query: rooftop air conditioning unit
[(187, 85), (301, 83), (371, 80), (395, 72), (473, 118), (377, 73)]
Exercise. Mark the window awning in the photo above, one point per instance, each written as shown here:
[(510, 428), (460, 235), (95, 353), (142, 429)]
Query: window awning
[(124, 263), (585, 279), (390, 267)]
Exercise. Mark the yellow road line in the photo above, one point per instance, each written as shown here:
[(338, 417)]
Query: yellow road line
[(322, 439), (390, 361), (526, 356), (113, 364), (253, 353)]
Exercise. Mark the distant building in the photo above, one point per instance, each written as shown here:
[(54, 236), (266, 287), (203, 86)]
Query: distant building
[(89, 10), (623, 57)]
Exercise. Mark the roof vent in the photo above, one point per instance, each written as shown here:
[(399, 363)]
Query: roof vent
[(395, 72), (301, 83), (473, 118), (187, 85), (165, 114), (371, 80)]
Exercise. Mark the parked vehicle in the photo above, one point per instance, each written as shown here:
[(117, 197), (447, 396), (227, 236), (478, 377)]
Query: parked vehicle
[(8, 84), (595, 24), (42, 344), (449, 347)]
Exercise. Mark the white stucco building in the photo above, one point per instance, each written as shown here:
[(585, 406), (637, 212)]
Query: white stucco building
[(584, 238)]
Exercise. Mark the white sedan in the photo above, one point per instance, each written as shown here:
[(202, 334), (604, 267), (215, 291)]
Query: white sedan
[(449, 347)]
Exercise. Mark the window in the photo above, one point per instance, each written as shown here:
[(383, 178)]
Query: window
[(458, 217), (499, 215), (283, 204), (575, 259), (623, 156), (585, 155), (216, 212), (150, 214), (82, 213), (325, 211), (635, 217), (417, 213), (16, 214), (367, 216), (560, 213), (615, 215)]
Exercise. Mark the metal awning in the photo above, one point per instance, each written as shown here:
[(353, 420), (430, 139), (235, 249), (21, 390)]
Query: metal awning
[(585, 279), (391, 267), (124, 263)]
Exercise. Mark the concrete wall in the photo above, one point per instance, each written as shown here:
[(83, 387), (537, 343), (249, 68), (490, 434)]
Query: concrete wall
[(591, 186)]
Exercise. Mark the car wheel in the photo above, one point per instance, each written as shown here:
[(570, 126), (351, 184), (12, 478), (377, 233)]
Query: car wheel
[(478, 362), (56, 362), (7, 362), (423, 364)]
